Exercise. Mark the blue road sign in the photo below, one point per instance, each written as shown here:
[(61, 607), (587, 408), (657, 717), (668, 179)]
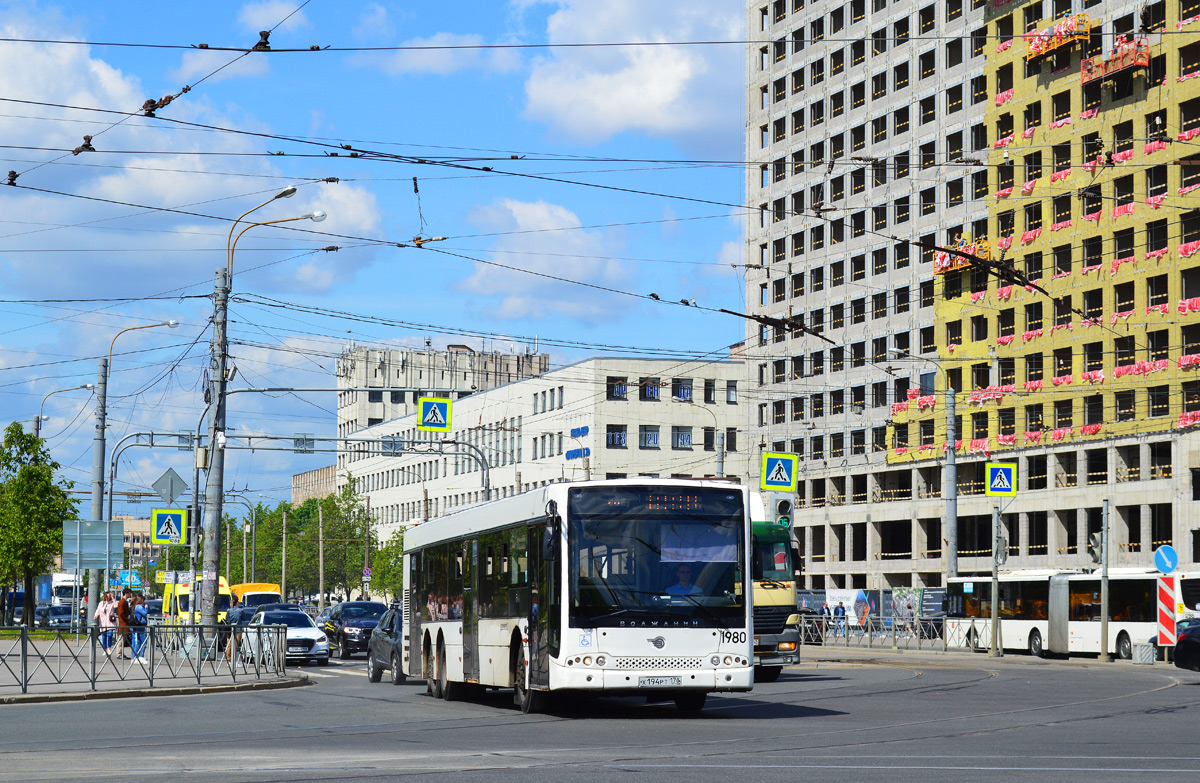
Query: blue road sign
[(1166, 558), (779, 472), (434, 414), (168, 526), (1001, 479)]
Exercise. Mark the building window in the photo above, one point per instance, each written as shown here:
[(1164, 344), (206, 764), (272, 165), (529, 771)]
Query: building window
[(681, 437), (731, 392), (616, 436), (648, 389), (618, 388), (681, 388), (648, 436)]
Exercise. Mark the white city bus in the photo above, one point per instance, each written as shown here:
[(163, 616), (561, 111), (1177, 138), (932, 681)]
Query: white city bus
[(618, 587), (1059, 611)]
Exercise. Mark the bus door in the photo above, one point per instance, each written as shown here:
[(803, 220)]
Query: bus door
[(470, 613), (543, 604), (1058, 636)]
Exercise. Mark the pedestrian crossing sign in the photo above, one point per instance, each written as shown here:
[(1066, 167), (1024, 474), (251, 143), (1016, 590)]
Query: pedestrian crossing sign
[(168, 526), (779, 472), (1001, 479), (434, 414)]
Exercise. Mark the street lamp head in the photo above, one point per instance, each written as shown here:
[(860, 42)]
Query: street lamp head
[(172, 324), (899, 352), (316, 216), (287, 192), (88, 386)]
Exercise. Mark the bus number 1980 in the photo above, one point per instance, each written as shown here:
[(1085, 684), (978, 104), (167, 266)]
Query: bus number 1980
[(733, 637)]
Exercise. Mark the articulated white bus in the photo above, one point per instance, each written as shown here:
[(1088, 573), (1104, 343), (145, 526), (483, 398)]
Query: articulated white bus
[(1059, 611), (633, 586)]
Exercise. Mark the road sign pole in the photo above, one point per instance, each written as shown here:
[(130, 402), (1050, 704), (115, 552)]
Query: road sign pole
[(94, 576), (1104, 657), (994, 649)]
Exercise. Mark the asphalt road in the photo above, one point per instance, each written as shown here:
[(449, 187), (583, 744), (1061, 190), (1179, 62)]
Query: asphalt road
[(873, 717)]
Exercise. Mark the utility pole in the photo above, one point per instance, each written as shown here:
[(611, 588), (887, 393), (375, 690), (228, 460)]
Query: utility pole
[(321, 556), (720, 436), (228, 537), (254, 543), (366, 547), (245, 561), (1104, 657), (94, 574), (951, 486), (283, 569), (215, 486)]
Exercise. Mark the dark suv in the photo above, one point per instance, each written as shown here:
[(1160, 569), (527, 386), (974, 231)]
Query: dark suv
[(350, 624), (385, 650)]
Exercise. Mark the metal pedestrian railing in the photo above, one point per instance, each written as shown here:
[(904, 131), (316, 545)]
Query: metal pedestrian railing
[(917, 633), (148, 657)]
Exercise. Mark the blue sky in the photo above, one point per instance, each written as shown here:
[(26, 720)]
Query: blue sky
[(616, 116)]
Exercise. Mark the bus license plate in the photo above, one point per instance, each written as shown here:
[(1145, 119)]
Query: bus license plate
[(660, 682)]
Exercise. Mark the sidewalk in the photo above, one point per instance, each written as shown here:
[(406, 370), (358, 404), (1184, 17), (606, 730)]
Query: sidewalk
[(116, 688)]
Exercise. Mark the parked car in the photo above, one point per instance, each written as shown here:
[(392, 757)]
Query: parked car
[(1180, 627), (320, 617), (385, 650), (304, 640), (1187, 648), (350, 623)]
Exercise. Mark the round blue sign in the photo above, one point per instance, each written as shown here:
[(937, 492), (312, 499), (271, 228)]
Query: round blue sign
[(1166, 558)]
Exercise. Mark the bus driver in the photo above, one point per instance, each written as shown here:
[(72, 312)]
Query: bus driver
[(684, 586)]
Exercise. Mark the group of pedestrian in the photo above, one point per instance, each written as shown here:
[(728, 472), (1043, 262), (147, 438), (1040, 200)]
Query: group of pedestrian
[(123, 624), (835, 620)]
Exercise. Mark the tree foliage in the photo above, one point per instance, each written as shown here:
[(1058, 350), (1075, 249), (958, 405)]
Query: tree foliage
[(33, 505)]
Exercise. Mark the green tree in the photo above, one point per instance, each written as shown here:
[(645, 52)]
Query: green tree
[(33, 506), (387, 568)]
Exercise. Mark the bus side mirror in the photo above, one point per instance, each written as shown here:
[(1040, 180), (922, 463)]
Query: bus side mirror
[(552, 533)]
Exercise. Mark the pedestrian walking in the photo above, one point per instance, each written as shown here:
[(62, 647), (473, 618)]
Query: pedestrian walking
[(140, 616), (124, 618), (106, 616), (839, 614)]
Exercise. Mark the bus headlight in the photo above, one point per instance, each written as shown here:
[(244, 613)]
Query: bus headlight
[(716, 661), (587, 661), (728, 660), (600, 660)]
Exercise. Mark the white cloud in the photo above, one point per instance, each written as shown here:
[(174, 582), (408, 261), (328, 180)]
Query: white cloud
[(691, 94), (426, 56), (197, 64), (269, 13), (570, 254), (374, 22)]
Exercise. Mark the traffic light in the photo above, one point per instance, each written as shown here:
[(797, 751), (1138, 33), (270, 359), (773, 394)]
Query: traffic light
[(1094, 547), (1001, 550), (783, 511)]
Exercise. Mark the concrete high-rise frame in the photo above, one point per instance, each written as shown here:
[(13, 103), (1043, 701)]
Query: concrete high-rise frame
[(865, 120)]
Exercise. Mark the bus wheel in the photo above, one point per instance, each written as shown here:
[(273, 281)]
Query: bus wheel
[(432, 687), (767, 673), (1035, 643), (449, 690), (1124, 648), (529, 701), (691, 701)]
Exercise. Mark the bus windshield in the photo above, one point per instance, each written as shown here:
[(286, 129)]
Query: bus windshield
[(655, 556)]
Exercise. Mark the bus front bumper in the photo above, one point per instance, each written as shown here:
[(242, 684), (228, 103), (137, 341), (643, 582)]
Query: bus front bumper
[(593, 678)]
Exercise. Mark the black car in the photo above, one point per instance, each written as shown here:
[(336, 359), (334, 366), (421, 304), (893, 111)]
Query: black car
[(1187, 648), (350, 623), (385, 650)]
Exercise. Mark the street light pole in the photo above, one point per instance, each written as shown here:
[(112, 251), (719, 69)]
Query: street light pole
[(718, 434), (219, 353), (37, 423), (98, 449), (950, 477)]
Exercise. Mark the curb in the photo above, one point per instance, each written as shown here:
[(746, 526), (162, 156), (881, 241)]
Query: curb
[(43, 698)]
